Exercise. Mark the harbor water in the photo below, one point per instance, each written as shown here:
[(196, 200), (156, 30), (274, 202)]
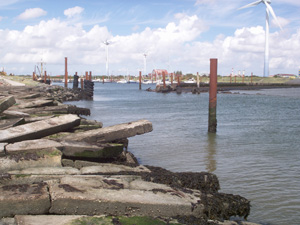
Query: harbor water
[(255, 152)]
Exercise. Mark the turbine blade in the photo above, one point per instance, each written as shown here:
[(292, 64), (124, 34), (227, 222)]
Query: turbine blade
[(273, 14), (251, 4)]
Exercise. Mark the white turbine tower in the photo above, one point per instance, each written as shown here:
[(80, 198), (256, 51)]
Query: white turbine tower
[(106, 48), (269, 10)]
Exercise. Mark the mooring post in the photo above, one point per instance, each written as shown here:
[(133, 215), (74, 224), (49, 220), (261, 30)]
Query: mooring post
[(164, 79), (102, 79), (66, 72), (198, 84), (171, 78), (140, 80), (90, 77), (212, 111), (45, 77), (81, 83)]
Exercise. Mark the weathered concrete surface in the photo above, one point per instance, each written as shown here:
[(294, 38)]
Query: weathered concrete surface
[(37, 103), (41, 158), (37, 118), (31, 146), (46, 219), (108, 168), (30, 96), (6, 102), (83, 196), (107, 134), (39, 129), (46, 171), (2, 147), (15, 199), (60, 109), (85, 150), (4, 124), (14, 114)]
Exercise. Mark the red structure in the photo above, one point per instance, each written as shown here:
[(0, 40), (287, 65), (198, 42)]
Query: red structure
[(66, 72), (212, 111), (158, 73)]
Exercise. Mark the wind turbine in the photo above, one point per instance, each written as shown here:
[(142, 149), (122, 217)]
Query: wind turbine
[(106, 48), (269, 10), (145, 63)]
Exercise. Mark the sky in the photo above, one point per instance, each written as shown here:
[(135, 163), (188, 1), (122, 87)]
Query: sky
[(177, 35)]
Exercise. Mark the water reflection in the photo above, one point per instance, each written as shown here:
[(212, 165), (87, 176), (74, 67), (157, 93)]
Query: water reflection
[(211, 152)]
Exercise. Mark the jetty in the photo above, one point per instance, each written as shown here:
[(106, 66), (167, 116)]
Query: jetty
[(57, 167)]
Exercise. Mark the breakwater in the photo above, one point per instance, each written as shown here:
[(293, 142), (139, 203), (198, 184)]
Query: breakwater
[(49, 150)]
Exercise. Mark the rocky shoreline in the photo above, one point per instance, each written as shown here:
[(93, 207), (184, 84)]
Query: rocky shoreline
[(59, 168)]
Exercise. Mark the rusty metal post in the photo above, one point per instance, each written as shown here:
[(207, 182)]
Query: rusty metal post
[(86, 75), (212, 112), (81, 83), (90, 77), (102, 79), (33, 75), (171, 78), (45, 77), (198, 84), (66, 72), (140, 80), (164, 79)]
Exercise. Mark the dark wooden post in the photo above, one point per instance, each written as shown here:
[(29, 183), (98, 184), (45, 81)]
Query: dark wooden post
[(102, 79), (45, 77), (81, 83), (212, 112), (140, 80), (172, 78), (90, 77), (66, 72)]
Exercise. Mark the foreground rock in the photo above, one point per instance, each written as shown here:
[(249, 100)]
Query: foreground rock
[(39, 129), (112, 133)]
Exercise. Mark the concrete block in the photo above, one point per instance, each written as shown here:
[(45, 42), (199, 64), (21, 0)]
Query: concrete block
[(36, 104), (39, 129), (108, 168), (112, 133), (6, 102), (14, 114), (24, 199)]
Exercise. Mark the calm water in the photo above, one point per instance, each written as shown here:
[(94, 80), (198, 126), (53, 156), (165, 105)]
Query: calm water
[(255, 152)]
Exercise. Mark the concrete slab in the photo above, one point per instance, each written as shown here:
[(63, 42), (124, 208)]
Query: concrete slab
[(6, 102), (41, 158), (46, 171), (112, 133), (39, 129), (14, 114), (108, 168), (85, 150), (31, 146), (2, 149), (24, 199), (7, 123), (36, 104), (84, 196), (30, 96), (37, 118), (46, 219)]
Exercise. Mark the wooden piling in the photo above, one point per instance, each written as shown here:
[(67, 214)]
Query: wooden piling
[(66, 72), (102, 79), (198, 84), (212, 111), (81, 83), (164, 79), (140, 80), (45, 77), (171, 78), (90, 76)]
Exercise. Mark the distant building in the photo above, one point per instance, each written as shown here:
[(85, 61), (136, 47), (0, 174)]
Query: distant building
[(285, 75)]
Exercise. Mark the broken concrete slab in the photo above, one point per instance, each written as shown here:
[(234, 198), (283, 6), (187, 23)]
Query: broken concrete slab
[(112, 133), (2, 149), (108, 168), (36, 104), (7, 123), (46, 171), (30, 96), (85, 150), (31, 146), (41, 158), (14, 114), (37, 118), (39, 129), (24, 199), (83, 196), (6, 102), (47, 110)]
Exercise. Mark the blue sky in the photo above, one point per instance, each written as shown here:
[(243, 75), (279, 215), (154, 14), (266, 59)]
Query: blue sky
[(175, 34)]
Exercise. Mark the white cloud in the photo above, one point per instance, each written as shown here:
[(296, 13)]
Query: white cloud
[(71, 12), (32, 13), (282, 21)]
